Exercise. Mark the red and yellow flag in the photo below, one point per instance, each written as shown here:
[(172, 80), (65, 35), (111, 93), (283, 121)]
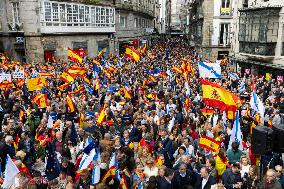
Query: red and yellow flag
[(127, 94), (62, 87), (152, 78), (143, 49), (35, 83), (95, 61), (45, 74), (107, 73), (123, 183), (70, 104), (176, 69), (187, 103), (207, 111), (100, 54), (110, 173), (6, 85), (81, 119), (97, 84), (216, 96), (41, 100), (209, 144), (102, 116), (77, 71), (67, 77), (132, 54), (72, 55)]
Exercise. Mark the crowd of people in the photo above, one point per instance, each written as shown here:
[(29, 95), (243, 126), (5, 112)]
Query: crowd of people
[(149, 127)]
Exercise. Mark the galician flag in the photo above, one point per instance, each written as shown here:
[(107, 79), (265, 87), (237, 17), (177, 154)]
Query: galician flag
[(10, 173), (236, 135)]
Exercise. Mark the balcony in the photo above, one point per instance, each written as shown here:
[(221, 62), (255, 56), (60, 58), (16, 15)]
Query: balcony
[(62, 17), (263, 49), (136, 8)]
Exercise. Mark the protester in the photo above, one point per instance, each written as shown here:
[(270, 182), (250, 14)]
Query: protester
[(112, 122)]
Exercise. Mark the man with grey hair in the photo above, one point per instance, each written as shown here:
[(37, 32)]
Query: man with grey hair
[(9, 146), (270, 181)]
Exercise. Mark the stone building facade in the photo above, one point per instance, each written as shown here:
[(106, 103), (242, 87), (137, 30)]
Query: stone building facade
[(35, 30), (258, 40), (210, 27)]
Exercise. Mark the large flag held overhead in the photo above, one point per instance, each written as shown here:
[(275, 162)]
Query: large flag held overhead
[(132, 54), (209, 70), (72, 55), (216, 96), (41, 100), (67, 77), (10, 173), (209, 144), (77, 71), (236, 135), (35, 83)]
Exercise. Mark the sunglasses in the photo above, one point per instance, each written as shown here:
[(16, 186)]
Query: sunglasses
[(278, 171)]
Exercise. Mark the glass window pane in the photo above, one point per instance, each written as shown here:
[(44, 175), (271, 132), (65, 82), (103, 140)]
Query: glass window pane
[(55, 17), (69, 13), (47, 11)]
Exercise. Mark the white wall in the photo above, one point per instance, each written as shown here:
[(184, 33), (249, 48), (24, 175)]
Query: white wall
[(217, 5)]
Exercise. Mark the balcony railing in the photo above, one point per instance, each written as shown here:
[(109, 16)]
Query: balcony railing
[(136, 8), (264, 49), (62, 17)]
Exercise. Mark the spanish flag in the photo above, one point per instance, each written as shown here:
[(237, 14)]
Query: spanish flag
[(77, 71), (221, 165), (209, 144), (127, 94), (35, 83), (176, 69), (102, 116), (70, 104), (6, 85), (100, 54), (152, 78), (143, 49), (106, 72), (132, 54), (67, 77), (81, 89), (62, 87), (187, 103), (87, 80), (45, 74), (112, 69), (123, 183), (163, 74), (41, 100), (16, 142), (217, 96), (21, 115), (95, 61), (81, 119), (158, 161), (110, 173), (74, 56), (97, 84), (207, 111)]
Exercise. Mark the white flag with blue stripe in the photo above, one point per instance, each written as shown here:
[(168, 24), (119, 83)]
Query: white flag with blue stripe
[(87, 159), (257, 105), (209, 70), (233, 76), (236, 135), (96, 175), (224, 118)]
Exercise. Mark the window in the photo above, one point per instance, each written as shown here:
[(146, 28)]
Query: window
[(122, 21), (76, 15), (224, 34), (135, 22), (225, 7), (16, 15)]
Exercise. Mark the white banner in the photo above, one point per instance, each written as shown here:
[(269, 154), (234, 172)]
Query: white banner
[(5, 77), (19, 74)]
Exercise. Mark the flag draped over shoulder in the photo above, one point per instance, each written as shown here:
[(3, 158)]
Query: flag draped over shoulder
[(132, 54), (209, 144), (72, 55), (216, 96), (111, 172)]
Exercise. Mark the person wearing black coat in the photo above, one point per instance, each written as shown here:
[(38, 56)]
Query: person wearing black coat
[(166, 181), (183, 178), (231, 178), (204, 180)]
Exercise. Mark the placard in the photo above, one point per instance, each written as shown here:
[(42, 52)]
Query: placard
[(5, 77), (20, 74)]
